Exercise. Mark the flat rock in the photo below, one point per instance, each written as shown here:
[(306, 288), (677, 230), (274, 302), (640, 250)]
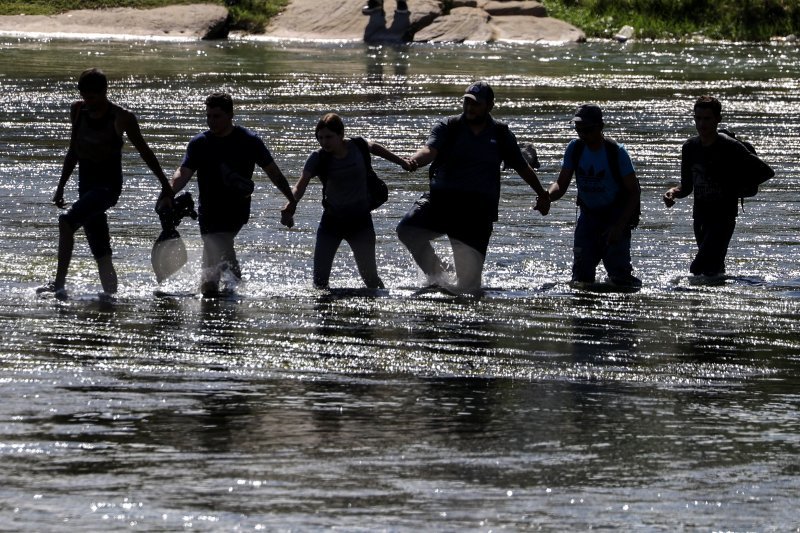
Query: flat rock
[(194, 21), (461, 24), (524, 8), (535, 29), (311, 20), (343, 20)]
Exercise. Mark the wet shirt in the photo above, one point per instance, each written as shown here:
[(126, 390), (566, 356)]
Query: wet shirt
[(345, 180), (208, 155), (98, 146), (712, 172), (471, 163), (597, 188)]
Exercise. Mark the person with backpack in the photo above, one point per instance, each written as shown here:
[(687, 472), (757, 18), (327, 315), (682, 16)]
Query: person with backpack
[(466, 153), (608, 196), (350, 190), (719, 170)]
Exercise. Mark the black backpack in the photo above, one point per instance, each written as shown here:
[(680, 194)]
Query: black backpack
[(747, 185), (612, 153), (376, 187)]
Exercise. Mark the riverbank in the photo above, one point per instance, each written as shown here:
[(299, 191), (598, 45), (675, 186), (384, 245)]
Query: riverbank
[(177, 22), (428, 20)]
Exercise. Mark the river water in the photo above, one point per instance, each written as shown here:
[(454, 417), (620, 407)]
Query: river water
[(535, 406)]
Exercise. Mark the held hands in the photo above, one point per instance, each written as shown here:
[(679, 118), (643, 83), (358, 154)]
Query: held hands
[(287, 214), (409, 165), (165, 200), (543, 203)]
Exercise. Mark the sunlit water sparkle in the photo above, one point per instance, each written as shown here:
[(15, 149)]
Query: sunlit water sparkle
[(285, 408)]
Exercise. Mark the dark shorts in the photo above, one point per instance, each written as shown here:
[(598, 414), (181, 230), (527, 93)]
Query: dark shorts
[(89, 212), (461, 217)]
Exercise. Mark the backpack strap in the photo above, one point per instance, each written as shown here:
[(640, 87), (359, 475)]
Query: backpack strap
[(612, 153), (363, 147)]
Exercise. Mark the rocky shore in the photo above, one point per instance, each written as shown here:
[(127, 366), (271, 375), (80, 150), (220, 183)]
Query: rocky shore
[(467, 21)]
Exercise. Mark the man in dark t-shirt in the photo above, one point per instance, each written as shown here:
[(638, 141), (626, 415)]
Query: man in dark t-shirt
[(711, 166), (224, 158), (466, 153)]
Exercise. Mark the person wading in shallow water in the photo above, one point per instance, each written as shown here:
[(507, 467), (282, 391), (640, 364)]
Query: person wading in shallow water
[(224, 158), (343, 165), (95, 147), (713, 165), (466, 153), (608, 196)]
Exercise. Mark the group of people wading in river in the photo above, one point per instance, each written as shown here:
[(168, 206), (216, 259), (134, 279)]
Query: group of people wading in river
[(466, 154)]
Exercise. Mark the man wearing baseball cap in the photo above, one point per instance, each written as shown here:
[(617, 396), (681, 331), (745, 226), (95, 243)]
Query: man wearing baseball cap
[(466, 153), (608, 196)]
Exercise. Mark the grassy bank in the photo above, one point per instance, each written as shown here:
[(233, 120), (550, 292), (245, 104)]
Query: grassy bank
[(740, 20), (746, 20), (249, 15)]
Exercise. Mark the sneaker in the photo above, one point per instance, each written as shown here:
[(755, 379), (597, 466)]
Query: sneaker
[(50, 287), (60, 293), (402, 6), (373, 6), (629, 281)]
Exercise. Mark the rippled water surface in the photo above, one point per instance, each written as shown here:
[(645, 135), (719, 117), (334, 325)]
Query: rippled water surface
[(283, 408)]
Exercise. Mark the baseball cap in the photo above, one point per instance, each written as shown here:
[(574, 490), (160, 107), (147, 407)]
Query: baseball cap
[(480, 92), (588, 115)]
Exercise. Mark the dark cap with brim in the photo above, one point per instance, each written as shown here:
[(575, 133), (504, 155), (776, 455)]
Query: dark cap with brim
[(588, 115), (480, 92)]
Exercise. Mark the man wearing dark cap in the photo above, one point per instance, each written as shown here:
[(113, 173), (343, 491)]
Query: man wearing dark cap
[(608, 196), (466, 153)]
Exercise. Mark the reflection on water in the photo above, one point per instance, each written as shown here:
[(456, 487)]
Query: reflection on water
[(531, 406)]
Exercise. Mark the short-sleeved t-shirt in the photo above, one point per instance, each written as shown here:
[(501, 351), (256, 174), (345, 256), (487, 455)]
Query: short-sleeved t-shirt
[(472, 162), (597, 188), (345, 180), (712, 173), (241, 151)]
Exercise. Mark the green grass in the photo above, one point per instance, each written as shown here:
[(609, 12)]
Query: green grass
[(249, 15), (741, 20)]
